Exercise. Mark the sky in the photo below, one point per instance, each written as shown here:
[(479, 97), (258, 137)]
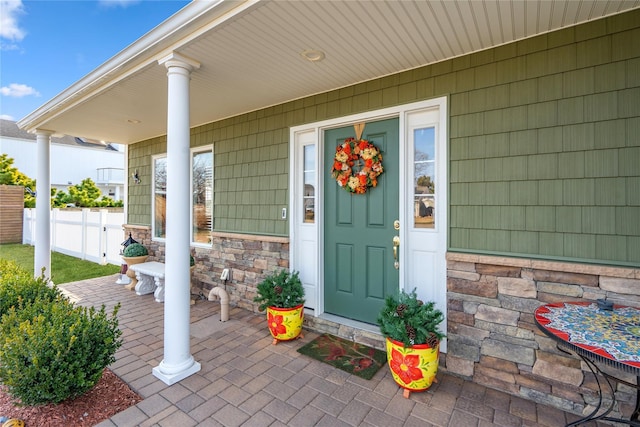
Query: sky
[(47, 45)]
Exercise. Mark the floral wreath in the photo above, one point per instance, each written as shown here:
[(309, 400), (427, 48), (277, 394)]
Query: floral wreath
[(357, 165)]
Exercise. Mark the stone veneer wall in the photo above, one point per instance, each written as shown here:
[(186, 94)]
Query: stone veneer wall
[(493, 338), (249, 258)]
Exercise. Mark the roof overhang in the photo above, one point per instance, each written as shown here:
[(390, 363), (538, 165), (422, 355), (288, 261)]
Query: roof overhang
[(252, 55)]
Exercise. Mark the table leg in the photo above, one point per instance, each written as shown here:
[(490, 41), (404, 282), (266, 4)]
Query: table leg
[(599, 376), (597, 373), (636, 414)]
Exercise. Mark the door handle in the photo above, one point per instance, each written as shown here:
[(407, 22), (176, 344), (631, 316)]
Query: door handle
[(396, 244)]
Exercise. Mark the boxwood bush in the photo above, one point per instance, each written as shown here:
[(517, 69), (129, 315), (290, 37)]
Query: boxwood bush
[(135, 249), (18, 287), (52, 350)]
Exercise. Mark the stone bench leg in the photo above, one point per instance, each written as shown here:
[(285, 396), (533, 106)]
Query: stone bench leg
[(159, 293), (145, 285)]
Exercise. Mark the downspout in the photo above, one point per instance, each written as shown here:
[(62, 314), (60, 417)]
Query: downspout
[(224, 302)]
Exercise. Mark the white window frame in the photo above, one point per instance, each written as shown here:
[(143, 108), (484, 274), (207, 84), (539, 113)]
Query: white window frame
[(192, 153), (153, 198)]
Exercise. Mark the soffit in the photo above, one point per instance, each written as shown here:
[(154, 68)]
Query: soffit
[(251, 59)]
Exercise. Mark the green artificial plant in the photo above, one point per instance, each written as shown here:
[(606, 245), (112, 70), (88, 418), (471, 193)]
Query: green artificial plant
[(408, 320), (282, 290)]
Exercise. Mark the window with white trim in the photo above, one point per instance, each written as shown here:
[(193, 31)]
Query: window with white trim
[(424, 177), (202, 195), (159, 206), (309, 183), (201, 184)]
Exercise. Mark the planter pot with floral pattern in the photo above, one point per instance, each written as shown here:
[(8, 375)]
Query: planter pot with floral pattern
[(285, 323), (413, 368)]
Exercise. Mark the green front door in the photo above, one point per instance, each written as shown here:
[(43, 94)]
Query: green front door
[(359, 269)]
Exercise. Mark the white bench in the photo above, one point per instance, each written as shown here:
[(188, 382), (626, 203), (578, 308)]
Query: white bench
[(150, 277)]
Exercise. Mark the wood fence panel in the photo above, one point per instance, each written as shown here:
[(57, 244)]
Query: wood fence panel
[(11, 213)]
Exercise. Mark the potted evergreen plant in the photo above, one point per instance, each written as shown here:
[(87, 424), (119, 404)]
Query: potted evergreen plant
[(282, 295), (135, 253), (413, 340)]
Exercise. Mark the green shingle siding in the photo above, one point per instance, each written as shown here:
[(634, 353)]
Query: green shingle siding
[(611, 192), (579, 246), (568, 219), (611, 248), (523, 193), (601, 163), (572, 160), (610, 77), (497, 240), (540, 218), (543, 146), (578, 82), (610, 134), (601, 106), (633, 191), (523, 241), (594, 52), (633, 72)]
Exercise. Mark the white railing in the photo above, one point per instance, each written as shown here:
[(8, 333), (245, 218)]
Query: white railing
[(92, 235), (110, 176)]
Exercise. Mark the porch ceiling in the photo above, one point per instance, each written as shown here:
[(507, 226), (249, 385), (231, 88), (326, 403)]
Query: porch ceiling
[(250, 55)]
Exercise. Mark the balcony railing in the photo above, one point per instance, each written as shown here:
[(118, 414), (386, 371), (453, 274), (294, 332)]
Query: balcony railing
[(110, 176)]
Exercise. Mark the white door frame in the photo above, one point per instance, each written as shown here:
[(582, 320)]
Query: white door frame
[(306, 250)]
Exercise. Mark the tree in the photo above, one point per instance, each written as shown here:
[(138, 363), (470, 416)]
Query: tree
[(84, 195), (10, 175), (425, 181)]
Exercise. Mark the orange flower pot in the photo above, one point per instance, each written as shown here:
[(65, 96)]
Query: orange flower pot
[(413, 368), (285, 323)]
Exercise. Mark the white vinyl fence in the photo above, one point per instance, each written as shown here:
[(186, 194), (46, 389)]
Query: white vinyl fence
[(86, 234)]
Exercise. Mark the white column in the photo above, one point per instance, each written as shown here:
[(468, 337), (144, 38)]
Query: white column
[(42, 255), (178, 363)]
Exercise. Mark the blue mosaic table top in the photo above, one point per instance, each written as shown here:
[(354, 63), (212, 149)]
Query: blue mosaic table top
[(612, 336)]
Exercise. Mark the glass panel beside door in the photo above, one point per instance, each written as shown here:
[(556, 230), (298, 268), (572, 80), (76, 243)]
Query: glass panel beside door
[(424, 178)]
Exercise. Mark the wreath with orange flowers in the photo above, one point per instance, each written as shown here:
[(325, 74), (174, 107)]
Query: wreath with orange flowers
[(357, 165)]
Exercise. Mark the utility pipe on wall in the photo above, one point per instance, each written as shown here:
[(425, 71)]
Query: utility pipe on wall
[(224, 302)]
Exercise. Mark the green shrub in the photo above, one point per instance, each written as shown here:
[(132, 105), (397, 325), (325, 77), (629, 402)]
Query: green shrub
[(135, 249), (50, 349), (282, 289), (18, 287)]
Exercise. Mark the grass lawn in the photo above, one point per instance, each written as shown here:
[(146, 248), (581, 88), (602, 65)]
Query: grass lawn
[(64, 268)]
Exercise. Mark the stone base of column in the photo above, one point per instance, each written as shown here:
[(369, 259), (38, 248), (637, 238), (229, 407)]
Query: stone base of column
[(170, 375)]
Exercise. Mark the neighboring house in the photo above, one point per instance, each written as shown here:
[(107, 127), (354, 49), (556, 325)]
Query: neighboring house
[(514, 124), (72, 159)]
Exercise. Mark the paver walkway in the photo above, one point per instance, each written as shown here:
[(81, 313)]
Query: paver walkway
[(247, 381)]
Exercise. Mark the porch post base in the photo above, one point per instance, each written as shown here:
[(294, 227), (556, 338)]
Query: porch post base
[(173, 377)]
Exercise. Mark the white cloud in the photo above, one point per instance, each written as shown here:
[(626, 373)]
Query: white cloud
[(10, 29), (16, 90), (7, 117)]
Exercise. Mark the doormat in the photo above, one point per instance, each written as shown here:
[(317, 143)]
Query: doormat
[(351, 357)]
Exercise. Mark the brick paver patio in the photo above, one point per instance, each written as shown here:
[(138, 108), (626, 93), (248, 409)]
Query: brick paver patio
[(247, 381)]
